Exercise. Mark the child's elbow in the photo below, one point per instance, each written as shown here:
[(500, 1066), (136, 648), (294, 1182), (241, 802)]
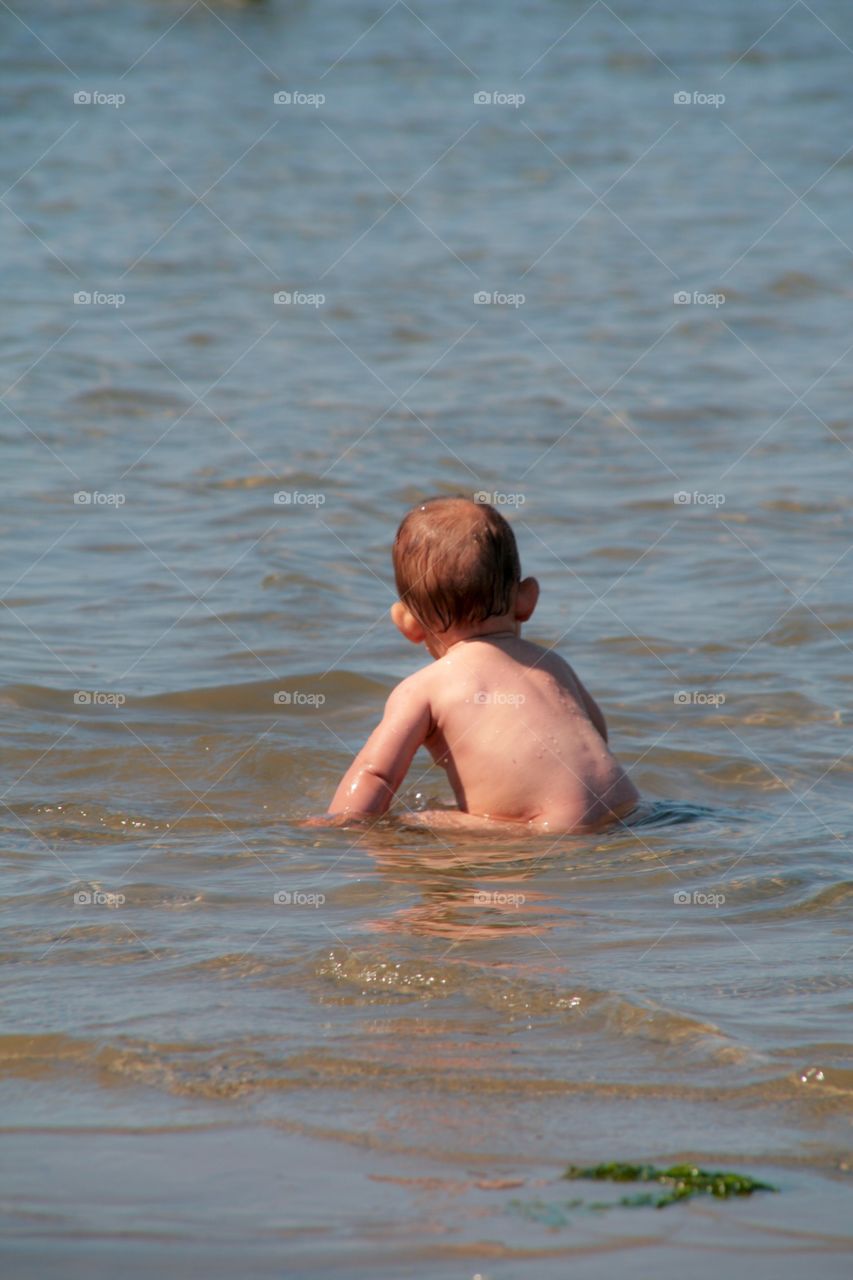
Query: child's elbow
[(377, 786)]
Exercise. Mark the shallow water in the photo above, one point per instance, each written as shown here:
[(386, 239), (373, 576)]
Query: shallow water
[(386, 1069)]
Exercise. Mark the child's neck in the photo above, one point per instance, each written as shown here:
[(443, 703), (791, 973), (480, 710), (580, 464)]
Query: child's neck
[(503, 629)]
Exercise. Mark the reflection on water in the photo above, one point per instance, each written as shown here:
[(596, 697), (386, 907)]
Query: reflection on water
[(449, 899)]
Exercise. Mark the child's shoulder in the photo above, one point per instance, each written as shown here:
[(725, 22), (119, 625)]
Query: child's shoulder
[(413, 686), (541, 655), (537, 657)]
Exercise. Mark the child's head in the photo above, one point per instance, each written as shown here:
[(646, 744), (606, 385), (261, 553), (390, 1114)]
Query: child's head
[(456, 566)]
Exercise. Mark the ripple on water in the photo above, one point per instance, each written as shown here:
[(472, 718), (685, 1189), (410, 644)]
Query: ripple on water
[(128, 402)]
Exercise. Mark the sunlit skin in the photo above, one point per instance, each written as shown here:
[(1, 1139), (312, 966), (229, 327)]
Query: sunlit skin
[(522, 741)]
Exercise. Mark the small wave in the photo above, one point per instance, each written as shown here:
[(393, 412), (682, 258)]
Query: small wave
[(200, 1070), (298, 695), (303, 480), (831, 900), (798, 284), (642, 646), (362, 977), (802, 627), (672, 813), (129, 402)]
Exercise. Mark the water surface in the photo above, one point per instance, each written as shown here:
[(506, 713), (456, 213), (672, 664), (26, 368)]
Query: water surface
[(385, 1069)]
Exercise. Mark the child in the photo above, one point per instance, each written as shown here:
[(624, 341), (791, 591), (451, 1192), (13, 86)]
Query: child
[(520, 738)]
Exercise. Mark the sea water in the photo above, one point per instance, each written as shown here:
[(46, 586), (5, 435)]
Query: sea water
[(620, 310)]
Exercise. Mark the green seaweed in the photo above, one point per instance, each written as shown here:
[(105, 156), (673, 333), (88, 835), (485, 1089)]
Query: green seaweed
[(545, 1213), (681, 1181), (640, 1201), (678, 1182)]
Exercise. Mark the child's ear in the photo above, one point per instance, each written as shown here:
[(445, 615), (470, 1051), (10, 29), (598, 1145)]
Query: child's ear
[(526, 598), (407, 624)]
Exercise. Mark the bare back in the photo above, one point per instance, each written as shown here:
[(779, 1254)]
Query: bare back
[(516, 732)]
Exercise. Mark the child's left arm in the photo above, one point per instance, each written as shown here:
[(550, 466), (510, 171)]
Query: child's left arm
[(369, 785)]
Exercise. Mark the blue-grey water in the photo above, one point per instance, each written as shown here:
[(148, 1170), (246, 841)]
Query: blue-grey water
[(233, 1045)]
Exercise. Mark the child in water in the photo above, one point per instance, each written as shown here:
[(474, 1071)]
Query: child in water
[(520, 738)]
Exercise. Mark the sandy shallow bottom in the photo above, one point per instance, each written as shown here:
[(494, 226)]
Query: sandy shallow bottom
[(226, 1201)]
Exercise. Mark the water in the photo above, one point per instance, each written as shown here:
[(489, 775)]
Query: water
[(386, 1071)]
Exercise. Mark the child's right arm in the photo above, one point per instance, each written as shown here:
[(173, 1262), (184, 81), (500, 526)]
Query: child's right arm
[(370, 783)]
